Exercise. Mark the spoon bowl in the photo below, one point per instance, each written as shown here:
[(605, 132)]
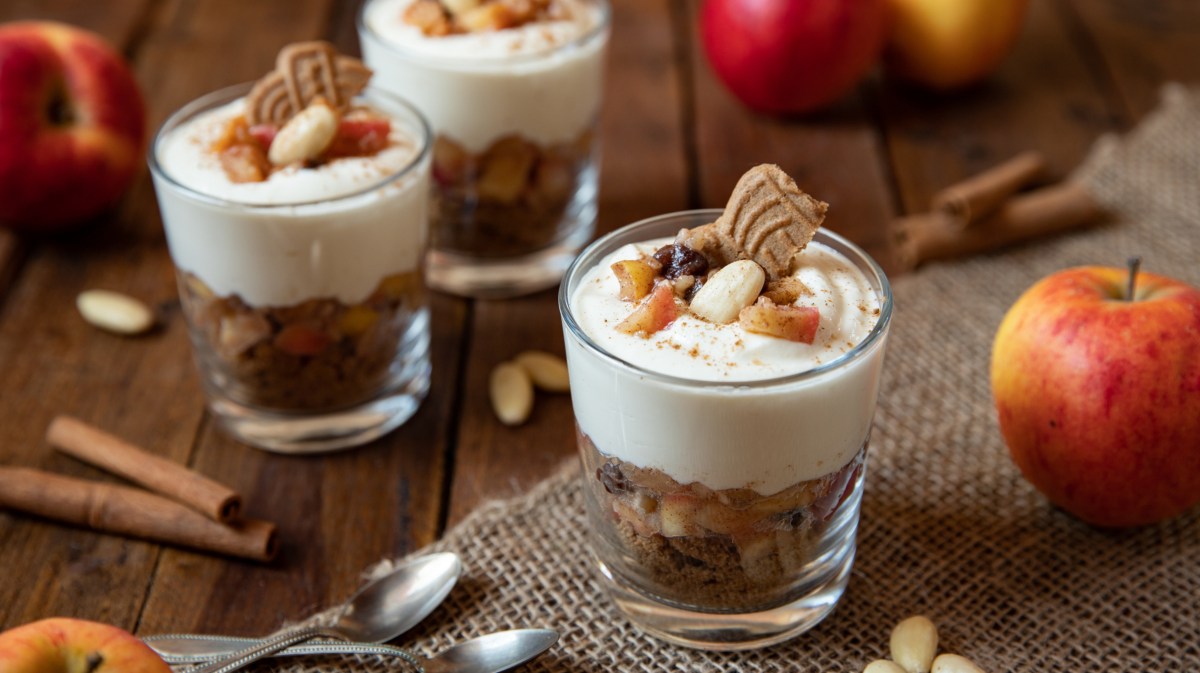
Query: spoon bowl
[(380, 611)]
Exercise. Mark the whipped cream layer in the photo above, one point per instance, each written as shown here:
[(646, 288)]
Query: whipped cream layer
[(542, 80), (729, 425), (335, 230)]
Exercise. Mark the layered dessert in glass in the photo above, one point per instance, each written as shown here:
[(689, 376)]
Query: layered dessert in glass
[(296, 210), (724, 370), (512, 89)]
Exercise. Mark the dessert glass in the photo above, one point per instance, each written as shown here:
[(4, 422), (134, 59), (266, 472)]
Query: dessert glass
[(515, 160), (722, 568), (308, 319)]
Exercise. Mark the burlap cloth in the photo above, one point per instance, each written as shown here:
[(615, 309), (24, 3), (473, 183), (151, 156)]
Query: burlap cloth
[(949, 527)]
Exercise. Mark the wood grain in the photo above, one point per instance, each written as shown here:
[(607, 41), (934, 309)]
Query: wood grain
[(55, 362), (672, 138)]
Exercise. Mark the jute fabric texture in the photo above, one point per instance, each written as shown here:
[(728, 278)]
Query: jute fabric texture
[(949, 527)]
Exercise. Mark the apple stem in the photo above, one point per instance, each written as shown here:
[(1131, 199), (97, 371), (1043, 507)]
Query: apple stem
[(1134, 264)]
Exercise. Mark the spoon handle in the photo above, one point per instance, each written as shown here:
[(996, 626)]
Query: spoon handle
[(261, 651)]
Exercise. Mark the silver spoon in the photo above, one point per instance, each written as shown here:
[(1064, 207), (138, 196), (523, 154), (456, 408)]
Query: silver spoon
[(380, 611), (491, 653)]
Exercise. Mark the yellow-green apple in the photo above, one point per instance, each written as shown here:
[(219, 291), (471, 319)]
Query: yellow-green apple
[(72, 125), (1098, 393), (75, 646), (945, 44), (787, 56)]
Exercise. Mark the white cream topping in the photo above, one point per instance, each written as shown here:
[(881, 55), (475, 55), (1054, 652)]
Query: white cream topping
[(542, 80), (693, 348), (304, 233), (766, 437)]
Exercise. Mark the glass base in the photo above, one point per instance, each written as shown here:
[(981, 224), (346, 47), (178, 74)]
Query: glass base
[(311, 432), (507, 277), (729, 632)]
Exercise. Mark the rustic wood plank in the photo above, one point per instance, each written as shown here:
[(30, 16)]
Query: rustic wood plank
[(55, 363), (337, 513), (643, 174), (1142, 45), (1043, 97), (833, 154)]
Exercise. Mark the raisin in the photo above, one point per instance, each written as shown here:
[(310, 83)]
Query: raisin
[(613, 480), (679, 260)]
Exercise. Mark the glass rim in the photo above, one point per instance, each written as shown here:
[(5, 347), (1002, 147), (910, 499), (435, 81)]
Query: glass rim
[(858, 351), (601, 27), (228, 94)]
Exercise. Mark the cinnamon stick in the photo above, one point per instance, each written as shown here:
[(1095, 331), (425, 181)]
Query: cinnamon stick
[(977, 197), (107, 452), (128, 511), (938, 235)]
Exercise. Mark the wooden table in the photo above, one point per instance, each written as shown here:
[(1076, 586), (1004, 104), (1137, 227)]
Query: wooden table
[(673, 139)]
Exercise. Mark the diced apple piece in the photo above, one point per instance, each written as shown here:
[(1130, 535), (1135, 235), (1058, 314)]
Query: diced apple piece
[(492, 16), (357, 320), (429, 17), (554, 180), (506, 168), (794, 323), (724, 520), (786, 290), (263, 134), (460, 6), (754, 545), (451, 162), (654, 313), (677, 515), (245, 163), (302, 340), (629, 514), (238, 333), (359, 137), (636, 278)]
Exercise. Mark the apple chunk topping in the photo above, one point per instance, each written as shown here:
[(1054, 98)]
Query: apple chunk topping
[(794, 323), (737, 270), (635, 277), (654, 313), (437, 18)]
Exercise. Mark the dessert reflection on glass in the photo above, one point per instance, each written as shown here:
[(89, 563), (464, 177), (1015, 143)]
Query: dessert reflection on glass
[(724, 369), (295, 210), (512, 89)]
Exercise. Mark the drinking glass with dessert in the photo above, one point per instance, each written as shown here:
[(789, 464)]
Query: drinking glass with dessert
[(724, 369), (296, 213), (512, 89)]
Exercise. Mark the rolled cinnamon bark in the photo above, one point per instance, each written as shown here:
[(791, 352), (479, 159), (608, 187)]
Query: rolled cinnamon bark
[(977, 197), (937, 235), (107, 452), (132, 512)]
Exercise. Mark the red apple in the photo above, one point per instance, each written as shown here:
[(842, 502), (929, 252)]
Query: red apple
[(781, 56), (72, 125), (75, 646), (1098, 393), (945, 44)]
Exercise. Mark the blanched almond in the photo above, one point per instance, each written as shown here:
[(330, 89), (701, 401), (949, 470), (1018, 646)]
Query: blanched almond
[(548, 372), (732, 288), (114, 312), (914, 644), (512, 393), (304, 136), (883, 666), (953, 663)]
